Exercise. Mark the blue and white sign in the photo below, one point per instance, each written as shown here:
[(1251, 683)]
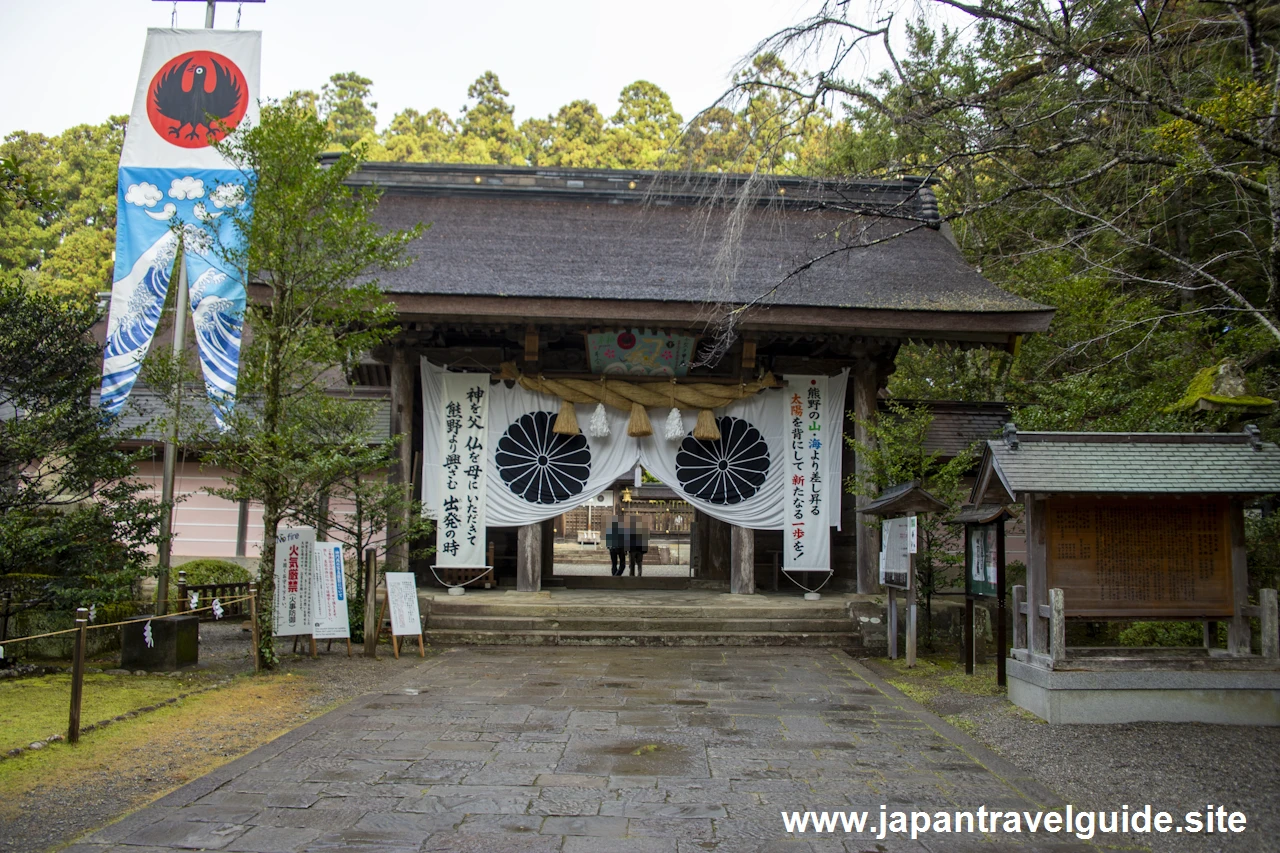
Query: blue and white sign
[(329, 594)]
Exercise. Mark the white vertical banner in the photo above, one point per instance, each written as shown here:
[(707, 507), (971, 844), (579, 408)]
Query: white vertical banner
[(402, 604), (329, 594), (807, 445), (295, 552), (460, 540)]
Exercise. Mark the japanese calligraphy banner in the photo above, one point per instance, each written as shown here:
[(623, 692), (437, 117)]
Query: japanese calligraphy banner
[(534, 473), (807, 446), (329, 594), (464, 453), (295, 552)]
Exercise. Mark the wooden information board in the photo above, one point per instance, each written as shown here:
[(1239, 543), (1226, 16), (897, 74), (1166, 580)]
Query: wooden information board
[(1140, 557)]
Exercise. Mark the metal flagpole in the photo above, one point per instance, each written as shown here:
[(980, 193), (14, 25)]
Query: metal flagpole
[(165, 557)]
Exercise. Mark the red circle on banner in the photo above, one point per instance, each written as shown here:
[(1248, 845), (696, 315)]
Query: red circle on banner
[(196, 98), (626, 340)]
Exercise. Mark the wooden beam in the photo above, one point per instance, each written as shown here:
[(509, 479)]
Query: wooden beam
[(531, 344), (748, 353), (985, 327)]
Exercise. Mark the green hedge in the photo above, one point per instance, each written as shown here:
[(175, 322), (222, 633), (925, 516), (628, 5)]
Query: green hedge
[(210, 571)]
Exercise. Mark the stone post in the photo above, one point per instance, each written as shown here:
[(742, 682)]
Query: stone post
[(529, 557), (742, 579)]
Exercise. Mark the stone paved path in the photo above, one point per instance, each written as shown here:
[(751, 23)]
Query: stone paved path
[(594, 750)]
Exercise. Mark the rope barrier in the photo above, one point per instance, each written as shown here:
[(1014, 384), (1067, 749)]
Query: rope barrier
[(221, 603)]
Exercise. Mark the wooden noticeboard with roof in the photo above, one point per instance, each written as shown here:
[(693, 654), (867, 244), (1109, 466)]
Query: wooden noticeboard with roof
[(1127, 526)]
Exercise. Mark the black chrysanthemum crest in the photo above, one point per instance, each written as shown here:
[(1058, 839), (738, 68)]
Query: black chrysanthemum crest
[(726, 471), (540, 466)]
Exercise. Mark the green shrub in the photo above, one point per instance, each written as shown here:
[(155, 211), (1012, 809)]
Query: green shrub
[(1164, 634), (210, 571)]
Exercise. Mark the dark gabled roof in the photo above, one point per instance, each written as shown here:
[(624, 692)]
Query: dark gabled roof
[(981, 514), (901, 499), (633, 237), (1127, 463)]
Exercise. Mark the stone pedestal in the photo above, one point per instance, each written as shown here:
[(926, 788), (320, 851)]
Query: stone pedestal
[(175, 644)]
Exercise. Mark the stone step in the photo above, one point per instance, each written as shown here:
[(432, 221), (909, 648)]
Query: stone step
[(657, 638), (443, 606), (580, 621)]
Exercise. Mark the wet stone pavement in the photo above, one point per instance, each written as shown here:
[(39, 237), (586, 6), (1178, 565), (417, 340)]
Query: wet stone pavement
[(595, 750)]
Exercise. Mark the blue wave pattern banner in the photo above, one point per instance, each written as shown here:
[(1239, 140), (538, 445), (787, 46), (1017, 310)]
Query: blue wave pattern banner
[(155, 207), (177, 193)]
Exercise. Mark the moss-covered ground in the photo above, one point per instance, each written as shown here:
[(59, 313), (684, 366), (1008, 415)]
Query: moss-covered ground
[(32, 709)]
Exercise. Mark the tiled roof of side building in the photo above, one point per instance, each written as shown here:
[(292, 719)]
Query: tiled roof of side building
[(1137, 463)]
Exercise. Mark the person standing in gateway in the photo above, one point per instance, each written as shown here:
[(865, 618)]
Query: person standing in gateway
[(615, 541), (637, 545)]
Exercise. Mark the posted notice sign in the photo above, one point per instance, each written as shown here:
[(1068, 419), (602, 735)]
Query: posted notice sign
[(402, 601), (295, 552), (897, 544), (329, 594)]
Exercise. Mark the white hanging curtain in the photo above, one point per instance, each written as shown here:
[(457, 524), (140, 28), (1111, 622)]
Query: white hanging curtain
[(535, 474)]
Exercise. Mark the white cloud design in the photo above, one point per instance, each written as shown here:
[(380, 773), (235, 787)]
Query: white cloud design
[(143, 194), (227, 195), (187, 187), (167, 213), (203, 214)]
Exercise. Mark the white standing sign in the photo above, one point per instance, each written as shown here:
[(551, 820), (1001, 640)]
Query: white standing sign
[(402, 602), (295, 550), (807, 525), (329, 594), (464, 458)]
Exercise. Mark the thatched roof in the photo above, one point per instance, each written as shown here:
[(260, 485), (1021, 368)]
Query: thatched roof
[(875, 253)]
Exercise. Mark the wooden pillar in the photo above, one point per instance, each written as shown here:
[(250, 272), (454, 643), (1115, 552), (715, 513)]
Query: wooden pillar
[(742, 579), (1019, 622), (1058, 627), (529, 558), (719, 549), (1001, 616), (1037, 575), (401, 472), (548, 548), (1238, 631), (864, 387)]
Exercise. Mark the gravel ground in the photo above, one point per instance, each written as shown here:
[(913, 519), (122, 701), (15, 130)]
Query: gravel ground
[(1175, 767), (64, 814)]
